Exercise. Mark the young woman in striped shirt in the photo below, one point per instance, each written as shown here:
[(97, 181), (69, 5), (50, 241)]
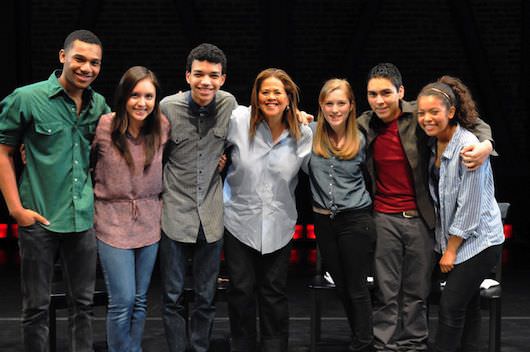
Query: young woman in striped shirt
[(469, 233)]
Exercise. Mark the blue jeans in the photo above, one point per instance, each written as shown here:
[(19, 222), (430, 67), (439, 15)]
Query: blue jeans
[(205, 259), (127, 275), (38, 250)]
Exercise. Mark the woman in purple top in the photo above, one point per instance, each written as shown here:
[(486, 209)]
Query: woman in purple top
[(128, 182)]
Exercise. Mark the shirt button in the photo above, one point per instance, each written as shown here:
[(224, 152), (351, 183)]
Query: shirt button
[(75, 197), (75, 179), (49, 131), (76, 162), (75, 144)]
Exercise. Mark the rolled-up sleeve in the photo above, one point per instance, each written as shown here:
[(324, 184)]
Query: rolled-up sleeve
[(12, 119)]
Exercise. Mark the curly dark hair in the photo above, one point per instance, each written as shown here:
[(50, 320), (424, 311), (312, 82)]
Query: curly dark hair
[(453, 92), (206, 52)]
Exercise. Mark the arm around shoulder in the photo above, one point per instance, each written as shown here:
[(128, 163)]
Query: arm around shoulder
[(363, 121), (103, 129), (483, 132), (305, 143), (166, 128), (226, 101)]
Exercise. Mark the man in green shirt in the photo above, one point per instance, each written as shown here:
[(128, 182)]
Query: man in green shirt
[(53, 205)]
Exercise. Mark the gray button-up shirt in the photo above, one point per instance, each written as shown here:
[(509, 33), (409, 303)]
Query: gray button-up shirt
[(260, 208), (192, 184)]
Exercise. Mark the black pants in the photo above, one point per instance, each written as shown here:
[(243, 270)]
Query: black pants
[(459, 317), (38, 249), (347, 244), (262, 277)]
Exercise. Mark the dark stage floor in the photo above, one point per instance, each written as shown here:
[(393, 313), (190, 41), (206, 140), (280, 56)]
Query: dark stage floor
[(515, 307)]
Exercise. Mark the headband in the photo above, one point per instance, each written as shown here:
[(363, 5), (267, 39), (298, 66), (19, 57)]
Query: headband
[(445, 95)]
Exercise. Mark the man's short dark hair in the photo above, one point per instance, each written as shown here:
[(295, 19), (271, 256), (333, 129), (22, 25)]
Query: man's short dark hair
[(207, 52), (81, 35), (388, 71)]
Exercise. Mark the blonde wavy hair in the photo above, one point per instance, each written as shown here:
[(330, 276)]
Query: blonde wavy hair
[(321, 140)]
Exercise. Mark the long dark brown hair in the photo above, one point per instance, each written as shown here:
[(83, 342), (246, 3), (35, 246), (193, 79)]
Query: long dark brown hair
[(293, 92), (151, 129)]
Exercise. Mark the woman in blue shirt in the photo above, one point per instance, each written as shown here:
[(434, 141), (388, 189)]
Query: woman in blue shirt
[(344, 225), (269, 146), (469, 232)]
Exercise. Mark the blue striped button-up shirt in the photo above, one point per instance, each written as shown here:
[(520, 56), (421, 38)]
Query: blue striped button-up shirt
[(260, 208), (466, 205)]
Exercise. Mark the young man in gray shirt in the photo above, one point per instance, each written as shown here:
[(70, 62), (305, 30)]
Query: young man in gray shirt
[(192, 216)]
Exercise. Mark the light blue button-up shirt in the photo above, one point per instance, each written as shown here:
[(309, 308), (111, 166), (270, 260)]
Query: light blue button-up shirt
[(260, 208), (466, 205)]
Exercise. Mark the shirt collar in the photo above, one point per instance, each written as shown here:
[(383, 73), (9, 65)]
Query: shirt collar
[(452, 146), (407, 109), (201, 111), (55, 87)]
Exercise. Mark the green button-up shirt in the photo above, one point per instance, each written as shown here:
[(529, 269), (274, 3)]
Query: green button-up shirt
[(55, 181)]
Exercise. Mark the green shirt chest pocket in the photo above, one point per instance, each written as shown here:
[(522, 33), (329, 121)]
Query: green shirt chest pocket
[(50, 138), (48, 128)]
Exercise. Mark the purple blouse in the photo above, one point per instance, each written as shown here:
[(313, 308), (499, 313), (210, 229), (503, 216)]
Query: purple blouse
[(127, 203)]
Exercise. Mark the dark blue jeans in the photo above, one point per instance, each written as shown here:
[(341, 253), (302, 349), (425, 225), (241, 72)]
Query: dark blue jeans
[(38, 251), (459, 316), (347, 244), (127, 276), (205, 259)]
